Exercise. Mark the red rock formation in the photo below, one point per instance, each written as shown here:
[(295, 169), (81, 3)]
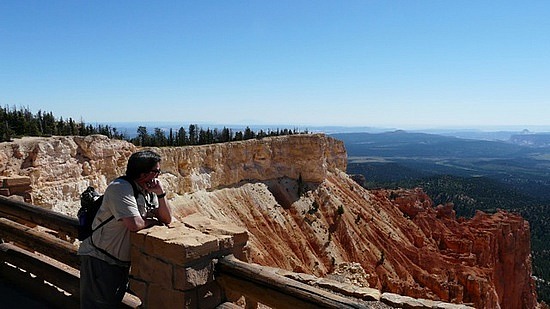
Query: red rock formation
[(404, 244), (489, 256)]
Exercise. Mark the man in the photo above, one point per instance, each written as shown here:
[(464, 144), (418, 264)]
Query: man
[(127, 207)]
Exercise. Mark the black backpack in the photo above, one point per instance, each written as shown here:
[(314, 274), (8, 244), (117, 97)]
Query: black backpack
[(90, 201)]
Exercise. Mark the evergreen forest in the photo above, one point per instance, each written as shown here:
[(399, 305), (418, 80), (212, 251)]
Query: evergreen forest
[(17, 122)]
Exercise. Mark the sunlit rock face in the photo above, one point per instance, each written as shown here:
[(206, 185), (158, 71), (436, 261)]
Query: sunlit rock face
[(61, 167), (305, 214)]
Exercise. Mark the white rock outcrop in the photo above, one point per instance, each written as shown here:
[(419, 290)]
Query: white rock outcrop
[(61, 167)]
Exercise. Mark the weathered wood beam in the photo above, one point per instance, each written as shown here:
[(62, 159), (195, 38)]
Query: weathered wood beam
[(256, 282), (61, 276), (259, 294), (65, 277), (36, 287), (58, 222), (44, 243)]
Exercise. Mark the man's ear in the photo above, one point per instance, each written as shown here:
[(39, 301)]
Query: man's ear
[(141, 177)]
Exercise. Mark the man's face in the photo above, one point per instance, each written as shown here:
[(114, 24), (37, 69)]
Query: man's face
[(148, 178)]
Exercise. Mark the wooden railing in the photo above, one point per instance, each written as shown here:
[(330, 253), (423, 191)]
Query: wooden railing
[(44, 246), (38, 253), (63, 225), (261, 286)]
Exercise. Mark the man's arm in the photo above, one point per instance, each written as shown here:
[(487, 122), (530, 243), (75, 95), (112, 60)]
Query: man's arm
[(164, 212), (137, 223)]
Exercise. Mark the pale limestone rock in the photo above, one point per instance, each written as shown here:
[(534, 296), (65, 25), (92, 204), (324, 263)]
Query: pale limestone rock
[(208, 226), (441, 305), (366, 293), (400, 301), (212, 166), (61, 167)]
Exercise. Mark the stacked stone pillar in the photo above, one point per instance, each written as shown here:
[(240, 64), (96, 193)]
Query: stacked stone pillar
[(16, 186), (173, 266)]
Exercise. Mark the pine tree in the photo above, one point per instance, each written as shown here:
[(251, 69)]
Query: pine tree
[(193, 134), (248, 133), (182, 137), (143, 136)]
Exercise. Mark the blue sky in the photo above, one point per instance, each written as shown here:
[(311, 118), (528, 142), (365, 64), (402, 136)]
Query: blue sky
[(354, 63)]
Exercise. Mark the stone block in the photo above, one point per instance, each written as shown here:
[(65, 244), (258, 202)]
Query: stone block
[(364, 293), (201, 223), (186, 278), (27, 197), (209, 296), (152, 270), (401, 301), (139, 288), (159, 297), (328, 283), (138, 239), (162, 232), (442, 305), (17, 182), (241, 252), (179, 244), (302, 277), (5, 191), (226, 242), (19, 190), (135, 256)]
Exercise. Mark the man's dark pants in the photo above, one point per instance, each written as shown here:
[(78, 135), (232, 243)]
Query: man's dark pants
[(102, 285)]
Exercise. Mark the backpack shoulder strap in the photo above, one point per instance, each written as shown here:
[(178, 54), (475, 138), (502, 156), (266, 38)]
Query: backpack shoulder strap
[(103, 223), (134, 186), (136, 194)]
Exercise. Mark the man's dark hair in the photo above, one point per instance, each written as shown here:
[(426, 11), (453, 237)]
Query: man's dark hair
[(141, 162)]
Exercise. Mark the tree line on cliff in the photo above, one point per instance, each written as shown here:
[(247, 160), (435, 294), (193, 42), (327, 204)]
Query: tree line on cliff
[(17, 122), (196, 135)]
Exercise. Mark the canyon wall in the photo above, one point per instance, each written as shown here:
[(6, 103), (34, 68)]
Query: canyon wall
[(305, 214), (61, 167)]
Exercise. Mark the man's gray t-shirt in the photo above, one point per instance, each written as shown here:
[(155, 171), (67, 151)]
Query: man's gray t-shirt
[(118, 201)]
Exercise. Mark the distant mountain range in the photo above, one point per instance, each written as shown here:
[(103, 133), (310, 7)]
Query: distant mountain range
[(532, 140), (492, 134), (522, 163)]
